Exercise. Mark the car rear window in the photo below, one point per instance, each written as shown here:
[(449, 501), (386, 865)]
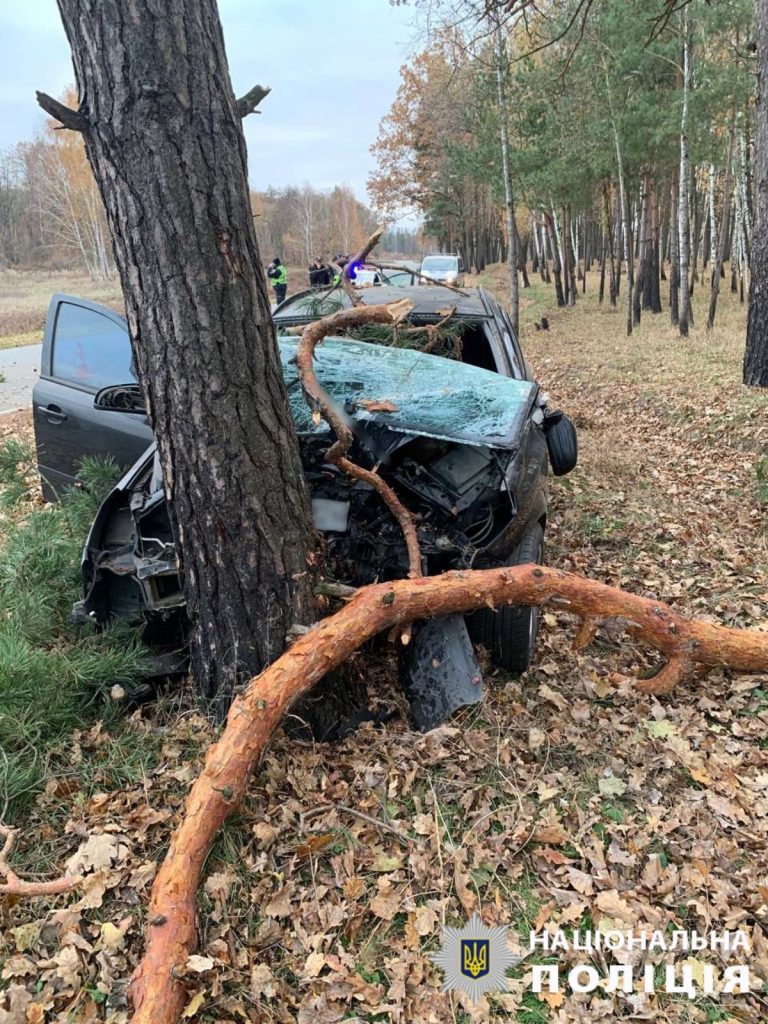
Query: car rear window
[(89, 349)]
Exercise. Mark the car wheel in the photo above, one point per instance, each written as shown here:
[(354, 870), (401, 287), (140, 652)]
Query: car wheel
[(509, 634)]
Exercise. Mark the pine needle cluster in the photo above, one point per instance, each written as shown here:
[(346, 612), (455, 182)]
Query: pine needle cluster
[(53, 678)]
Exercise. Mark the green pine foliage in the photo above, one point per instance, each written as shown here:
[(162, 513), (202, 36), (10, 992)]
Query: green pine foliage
[(53, 677)]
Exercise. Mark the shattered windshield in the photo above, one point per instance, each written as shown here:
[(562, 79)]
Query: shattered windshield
[(412, 392)]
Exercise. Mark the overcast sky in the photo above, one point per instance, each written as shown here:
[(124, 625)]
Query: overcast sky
[(333, 68)]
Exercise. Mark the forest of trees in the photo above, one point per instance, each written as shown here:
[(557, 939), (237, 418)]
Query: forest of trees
[(300, 223), (52, 216), (51, 213), (628, 128)]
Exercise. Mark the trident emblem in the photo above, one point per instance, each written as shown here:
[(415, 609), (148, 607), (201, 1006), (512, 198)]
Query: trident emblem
[(474, 958)]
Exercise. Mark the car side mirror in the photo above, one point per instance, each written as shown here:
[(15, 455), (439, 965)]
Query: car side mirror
[(121, 398), (562, 444)]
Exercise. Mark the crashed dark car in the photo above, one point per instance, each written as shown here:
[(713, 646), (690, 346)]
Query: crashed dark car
[(466, 442)]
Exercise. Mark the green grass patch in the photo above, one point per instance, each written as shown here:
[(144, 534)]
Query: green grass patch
[(54, 678)]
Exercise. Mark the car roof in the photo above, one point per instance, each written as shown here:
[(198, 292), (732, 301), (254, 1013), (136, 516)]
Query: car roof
[(428, 301)]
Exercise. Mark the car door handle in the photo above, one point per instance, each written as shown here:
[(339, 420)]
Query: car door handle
[(54, 414)]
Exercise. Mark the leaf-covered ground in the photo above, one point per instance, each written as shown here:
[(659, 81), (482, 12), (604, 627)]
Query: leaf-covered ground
[(566, 800)]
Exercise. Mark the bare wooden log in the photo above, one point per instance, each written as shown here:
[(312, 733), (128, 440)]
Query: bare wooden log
[(157, 989)]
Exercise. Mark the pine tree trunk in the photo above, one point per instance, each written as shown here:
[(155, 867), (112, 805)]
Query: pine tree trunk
[(674, 255), (613, 289), (682, 213), (756, 353), (164, 138), (717, 268), (509, 199), (642, 252), (626, 230), (654, 288), (556, 263), (618, 241)]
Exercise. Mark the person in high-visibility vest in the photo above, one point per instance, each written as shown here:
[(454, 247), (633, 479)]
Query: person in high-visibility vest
[(277, 273)]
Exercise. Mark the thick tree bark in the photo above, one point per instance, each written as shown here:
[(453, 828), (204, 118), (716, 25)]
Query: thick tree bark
[(652, 289), (163, 134), (568, 257), (756, 354)]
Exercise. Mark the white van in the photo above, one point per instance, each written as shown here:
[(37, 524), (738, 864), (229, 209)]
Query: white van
[(443, 267)]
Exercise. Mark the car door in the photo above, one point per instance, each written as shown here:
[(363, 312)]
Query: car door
[(509, 342), (86, 347)]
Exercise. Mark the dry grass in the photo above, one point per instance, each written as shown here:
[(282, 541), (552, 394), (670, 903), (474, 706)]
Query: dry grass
[(24, 298)]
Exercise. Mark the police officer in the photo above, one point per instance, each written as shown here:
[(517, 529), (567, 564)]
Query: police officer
[(277, 273)]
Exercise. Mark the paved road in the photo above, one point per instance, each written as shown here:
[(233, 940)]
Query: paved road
[(20, 367)]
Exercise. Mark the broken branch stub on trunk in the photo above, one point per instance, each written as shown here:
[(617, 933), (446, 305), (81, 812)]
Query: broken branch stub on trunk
[(159, 996), (247, 104), (68, 117)]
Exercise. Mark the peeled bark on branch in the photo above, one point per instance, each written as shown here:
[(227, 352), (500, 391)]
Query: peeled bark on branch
[(157, 989), (15, 886)]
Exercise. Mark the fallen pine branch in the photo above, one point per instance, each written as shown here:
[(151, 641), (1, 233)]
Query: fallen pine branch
[(321, 405), (15, 886), (157, 990)]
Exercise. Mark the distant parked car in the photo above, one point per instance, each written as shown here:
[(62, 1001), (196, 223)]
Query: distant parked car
[(466, 442), (444, 267), (365, 277)]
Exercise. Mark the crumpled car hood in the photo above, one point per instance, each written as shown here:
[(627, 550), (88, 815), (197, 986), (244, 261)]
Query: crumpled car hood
[(416, 393)]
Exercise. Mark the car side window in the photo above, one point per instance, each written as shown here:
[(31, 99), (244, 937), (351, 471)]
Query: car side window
[(510, 343), (90, 350)]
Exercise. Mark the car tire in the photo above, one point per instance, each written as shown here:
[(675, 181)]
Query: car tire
[(561, 443), (508, 633)]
